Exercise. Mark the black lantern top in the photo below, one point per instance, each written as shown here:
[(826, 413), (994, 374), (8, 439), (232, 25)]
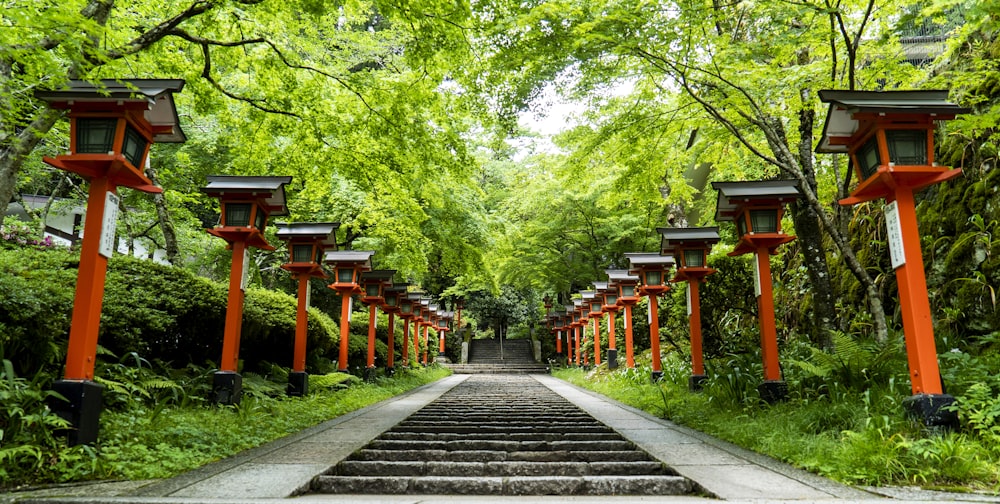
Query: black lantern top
[(689, 245), (652, 271), (625, 284), (889, 136), (374, 284), (307, 241), (756, 207), (112, 126), (348, 265), (394, 295)]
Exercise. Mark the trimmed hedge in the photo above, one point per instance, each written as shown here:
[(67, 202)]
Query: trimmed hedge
[(160, 312)]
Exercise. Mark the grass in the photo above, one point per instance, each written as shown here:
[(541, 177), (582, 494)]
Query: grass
[(141, 442), (859, 438)]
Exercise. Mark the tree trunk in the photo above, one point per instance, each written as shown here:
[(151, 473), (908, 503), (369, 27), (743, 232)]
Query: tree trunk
[(13, 157), (166, 221)]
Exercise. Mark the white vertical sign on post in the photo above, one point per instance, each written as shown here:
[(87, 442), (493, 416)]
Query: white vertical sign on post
[(689, 299), (894, 235), (246, 268), (109, 224), (756, 276)]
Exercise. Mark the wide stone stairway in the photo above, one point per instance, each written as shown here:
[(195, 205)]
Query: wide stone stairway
[(490, 356), (501, 435)]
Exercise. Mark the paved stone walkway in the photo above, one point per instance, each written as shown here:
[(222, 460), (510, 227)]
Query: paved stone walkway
[(283, 470)]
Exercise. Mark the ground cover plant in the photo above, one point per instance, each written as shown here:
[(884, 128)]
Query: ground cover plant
[(855, 433), (158, 424)]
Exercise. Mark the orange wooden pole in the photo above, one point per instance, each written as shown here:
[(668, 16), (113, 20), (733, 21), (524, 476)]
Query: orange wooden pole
[(370, 363), (597, 341), (234, 310), (578, 329), (694, 319), (654, 333), (441, 335), (81, 353), (558, 342), (427, 335), (918, 328), (629, 354), (416, 341), (391, 357), (301, 327), (345, 331), (765, 309), (406, 342)]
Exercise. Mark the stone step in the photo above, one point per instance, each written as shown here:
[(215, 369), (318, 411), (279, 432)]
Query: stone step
[(502, 468), (455, 429), (500, 436), (510, 446), (369, 454), (514, 485)]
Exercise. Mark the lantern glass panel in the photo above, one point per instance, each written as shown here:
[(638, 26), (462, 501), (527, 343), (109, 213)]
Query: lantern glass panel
[(95, 136), (741, 225), (610, 299), (628, 290), (595, 306), (133, 147), (406, 307), (345, 275), (392, 300), (653, 277), (694, 258), (372, 289), (302, 253), (907, 147), (867, 157), (237, 214), (764, 221), (261, 219)]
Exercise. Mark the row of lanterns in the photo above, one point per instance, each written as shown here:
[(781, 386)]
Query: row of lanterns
[(889, 139), (112, 126)]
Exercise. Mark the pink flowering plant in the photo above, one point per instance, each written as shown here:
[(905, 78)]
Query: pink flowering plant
[(16, 234)]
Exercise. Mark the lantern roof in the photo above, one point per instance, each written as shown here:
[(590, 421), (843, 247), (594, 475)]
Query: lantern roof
[(733, 196), (841, 123), (588, 295), (617, 276), (638, 260), (322, 232), (154, 96), (377, 276), (272, 189), (600, 286), (363, 257), (673, 238)]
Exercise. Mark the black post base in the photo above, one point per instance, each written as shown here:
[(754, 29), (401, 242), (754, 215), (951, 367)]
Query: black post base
[(298, 384), (929, 409), (656, 376), (612, 358), (695, 382), (227, 388), (389, 371), (773, 391), (369, 375), (82, 408)]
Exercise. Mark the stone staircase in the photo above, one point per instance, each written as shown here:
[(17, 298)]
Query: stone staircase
[(485, 357), (501, 435)]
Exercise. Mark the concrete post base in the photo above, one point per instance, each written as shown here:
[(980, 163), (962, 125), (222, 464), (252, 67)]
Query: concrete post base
[(227, 387), (82, 408), (369, 375), (389, 371), (773, 391), (656, 376), (612, 358), (298, 384), (929, 409), (695, 382)]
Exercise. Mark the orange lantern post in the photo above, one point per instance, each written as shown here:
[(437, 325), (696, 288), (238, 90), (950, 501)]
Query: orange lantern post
[(444, 318), (406, 313), (307, 244), (578, 322), (348, 266), (652, 272), (756, 207), (418, 319), (392, 306), (568, 332), (609, 297), (373, 284), (625, 286), (592, 311), (112, 126), (691, 246), (246, 203), (430, 320), (889, 137)]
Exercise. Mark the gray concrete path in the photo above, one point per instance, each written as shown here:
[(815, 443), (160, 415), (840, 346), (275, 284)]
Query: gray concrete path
[(281, 470)]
